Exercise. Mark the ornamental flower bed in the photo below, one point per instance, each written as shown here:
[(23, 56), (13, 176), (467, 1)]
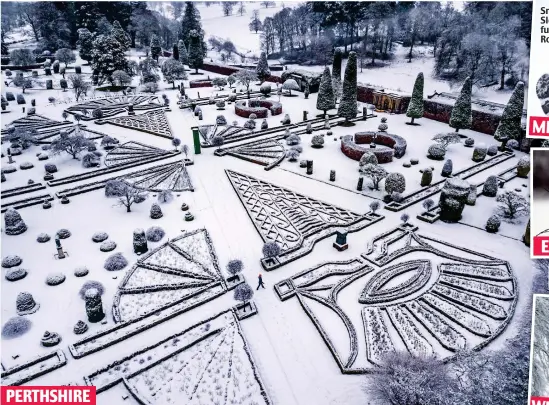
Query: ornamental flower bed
[(260, 108)]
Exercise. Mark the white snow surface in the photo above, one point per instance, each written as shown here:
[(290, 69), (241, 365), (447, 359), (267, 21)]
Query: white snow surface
[(291, 357)]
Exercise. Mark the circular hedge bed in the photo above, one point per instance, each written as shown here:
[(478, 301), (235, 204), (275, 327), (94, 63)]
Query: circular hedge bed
[(260, 108), (387, 146)]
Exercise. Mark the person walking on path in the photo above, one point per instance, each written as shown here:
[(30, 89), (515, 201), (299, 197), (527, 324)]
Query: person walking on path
[(260, 282)]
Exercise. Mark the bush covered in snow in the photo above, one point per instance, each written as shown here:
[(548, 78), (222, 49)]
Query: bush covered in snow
[(25, 304), (490, 187), (9, 169), (493, 223), (91, 284), (479, 153), (16, 274), (115, 262), (50, 168), (165, 196), (90, 160), (286, 120), (155, 234), (264, 124), (220, 105), (292, 155), (492, 150), (265, 89), (317, 141), (100, 237), (396, 196), (55, 279), (293, 139), (428, 204), (107, 246), (139, 241), (436, 152), (63, 233), (395, 182), (221, 120), (513, 144), (11, 261), (523, 166), (43, 238), (81, 271), (156, 211), (14, 224), (426, 177), (366, 158), (469, 142), (250, 124), (271, 249), (447, 168), (16, 327), (26, 166), (512, 205)]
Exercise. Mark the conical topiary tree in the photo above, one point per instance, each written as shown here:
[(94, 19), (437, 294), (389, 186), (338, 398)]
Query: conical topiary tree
[(325, 100), (196, 55), (156, 47), (348, 104), (139, 241), (183, 56), (510, 124), (175, 52), (336, 73), (461, 113), (262, 70), (14, 223), (415, 108), (156, 211)]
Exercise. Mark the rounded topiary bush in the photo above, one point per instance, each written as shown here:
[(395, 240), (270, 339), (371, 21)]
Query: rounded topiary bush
[(447, 168), (426, 177), (80, 328), (9, 169), (490, 187), (63, 233), (25, 304), (16, 327), (523, 167), (414, 161), (16, 151), (436, 152), (293, 139), (100, 237), (26, 166), (156, 211), (513, 144), (493, 224), (16, 274), (317, 141), (14, 224), (155, 234), (55, 279), (91, 284), (81, 271), (50, 168), (43, 238), (221, 120), (107, 246), (11, 261), (367, 158), (115, 262), (479, 153), (469, 142), (395, 182), (492, 150)]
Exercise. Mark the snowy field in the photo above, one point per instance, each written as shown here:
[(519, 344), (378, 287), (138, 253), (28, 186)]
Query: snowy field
[(279, 351)]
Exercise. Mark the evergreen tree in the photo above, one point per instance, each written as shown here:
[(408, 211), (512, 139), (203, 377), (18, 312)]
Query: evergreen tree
[(510, 123), (120, 35), (155, 46), (348, 104), (336, 73), (415, 108), (175, 53), (183, 56), (85, 41), (196, 57), (191, 22), (262, 70), (461, 113), (325, 100), (108, 55)]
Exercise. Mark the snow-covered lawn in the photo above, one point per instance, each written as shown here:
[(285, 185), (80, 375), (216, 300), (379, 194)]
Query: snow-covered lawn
[(290, 355)]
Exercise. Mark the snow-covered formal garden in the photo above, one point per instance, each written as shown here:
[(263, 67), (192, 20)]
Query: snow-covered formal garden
[(151, 179)]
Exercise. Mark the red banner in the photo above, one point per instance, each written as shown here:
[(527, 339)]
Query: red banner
[(541, 246), (48, 395), (539, 401), (539, 126)]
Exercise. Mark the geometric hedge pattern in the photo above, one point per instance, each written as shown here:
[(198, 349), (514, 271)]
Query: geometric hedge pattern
[(170, 176), (132, 152), (407, 292), (266, 153), (111, 106), (153, 122)]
